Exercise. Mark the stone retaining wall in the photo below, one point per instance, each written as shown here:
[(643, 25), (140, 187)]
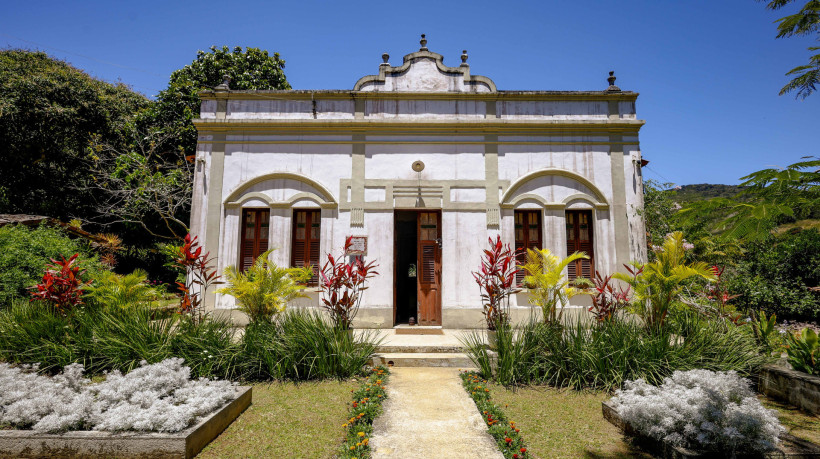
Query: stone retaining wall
[(795, 387)]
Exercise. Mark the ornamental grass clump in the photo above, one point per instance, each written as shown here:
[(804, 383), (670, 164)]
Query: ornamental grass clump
[(158, 398), (701, 410)]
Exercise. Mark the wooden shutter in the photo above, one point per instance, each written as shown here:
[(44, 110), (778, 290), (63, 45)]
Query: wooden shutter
[(528, 233), (580, 239), (255, 225), (428, 233), (305, 241)]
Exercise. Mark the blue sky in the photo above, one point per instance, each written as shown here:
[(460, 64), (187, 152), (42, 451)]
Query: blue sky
[(708, 71)]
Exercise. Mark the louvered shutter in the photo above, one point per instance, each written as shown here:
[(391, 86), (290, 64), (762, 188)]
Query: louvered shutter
[(527, 236), (255, 229), (580, 239), (305, 241), (585, 243), (428, 229), (428, 263)]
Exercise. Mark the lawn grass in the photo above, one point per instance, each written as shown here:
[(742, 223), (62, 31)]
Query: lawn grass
[(287, 420), (563, 423), (569, 424), (802, 425)]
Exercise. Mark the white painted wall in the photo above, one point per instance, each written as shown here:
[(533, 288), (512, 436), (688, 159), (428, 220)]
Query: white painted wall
[(326, 160)]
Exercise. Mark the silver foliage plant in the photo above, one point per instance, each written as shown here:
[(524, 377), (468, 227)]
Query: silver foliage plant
[(159, 397), (700, 410)]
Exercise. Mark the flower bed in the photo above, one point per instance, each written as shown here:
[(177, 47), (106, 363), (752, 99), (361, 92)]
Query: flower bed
[(697, 410), (154, 410), (506, 434), (367, 404)]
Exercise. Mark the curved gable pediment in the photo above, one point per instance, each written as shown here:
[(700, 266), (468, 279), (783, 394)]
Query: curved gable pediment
[(424, 71)]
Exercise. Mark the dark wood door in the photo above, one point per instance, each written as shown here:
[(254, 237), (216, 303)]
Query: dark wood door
[(429, 268)]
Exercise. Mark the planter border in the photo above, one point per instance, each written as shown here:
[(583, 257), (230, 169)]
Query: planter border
[(83, 443), (799, 389), (668, 451)]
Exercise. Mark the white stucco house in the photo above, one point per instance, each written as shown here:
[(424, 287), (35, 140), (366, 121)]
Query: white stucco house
[(421, 162)]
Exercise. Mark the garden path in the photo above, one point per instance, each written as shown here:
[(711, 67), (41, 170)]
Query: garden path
[(428, 414)]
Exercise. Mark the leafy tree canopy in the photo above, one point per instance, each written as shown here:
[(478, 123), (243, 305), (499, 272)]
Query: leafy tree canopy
[(805, 22), (769, 197), (149, 182), (49, 111), (179, 103)]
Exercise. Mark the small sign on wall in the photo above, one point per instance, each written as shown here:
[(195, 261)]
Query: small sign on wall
[(358, 245)]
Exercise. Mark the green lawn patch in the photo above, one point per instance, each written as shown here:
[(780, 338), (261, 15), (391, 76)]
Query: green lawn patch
[(802, 425), (288, 420), (563, 423)]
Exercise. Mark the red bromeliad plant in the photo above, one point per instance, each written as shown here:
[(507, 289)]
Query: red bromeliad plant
[(717, 293), (61, 286), (342, 284), (199, 276), (496, 280), (606, 299)]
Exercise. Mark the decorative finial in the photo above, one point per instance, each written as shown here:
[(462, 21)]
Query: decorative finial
[(423, 42), (611, 81), (226, 83), (385, 58), (464, 57)]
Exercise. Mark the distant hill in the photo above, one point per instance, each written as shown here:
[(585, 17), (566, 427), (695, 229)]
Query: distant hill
[(703, 191)]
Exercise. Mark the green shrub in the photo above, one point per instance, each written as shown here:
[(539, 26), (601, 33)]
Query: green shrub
[(304, 344), (299, 345), (25, 253), (804, 351), (775, 276), (121, 290), (264, 289), (581, 355)]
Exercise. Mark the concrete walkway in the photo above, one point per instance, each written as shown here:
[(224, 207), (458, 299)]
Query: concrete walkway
[(428, 414)]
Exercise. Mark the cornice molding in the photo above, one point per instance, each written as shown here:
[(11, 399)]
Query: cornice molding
[(415, 95), (482, 126)]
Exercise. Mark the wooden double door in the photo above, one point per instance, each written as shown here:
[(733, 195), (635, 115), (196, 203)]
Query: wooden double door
[(417, 267)]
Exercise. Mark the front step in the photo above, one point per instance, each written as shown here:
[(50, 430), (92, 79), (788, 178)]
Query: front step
[(423, 359), (419, 349)]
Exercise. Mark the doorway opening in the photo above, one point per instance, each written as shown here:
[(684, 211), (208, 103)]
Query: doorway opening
[(406, 275)]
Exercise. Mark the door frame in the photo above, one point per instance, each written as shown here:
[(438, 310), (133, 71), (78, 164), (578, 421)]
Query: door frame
[(417, 211)]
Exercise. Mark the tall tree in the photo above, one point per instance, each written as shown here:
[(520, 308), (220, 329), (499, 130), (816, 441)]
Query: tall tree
[(769, 197), (149, 182), (805, 22), (49, 112)]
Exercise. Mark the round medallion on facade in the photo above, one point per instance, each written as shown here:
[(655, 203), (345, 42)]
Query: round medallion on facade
[(418, 166)]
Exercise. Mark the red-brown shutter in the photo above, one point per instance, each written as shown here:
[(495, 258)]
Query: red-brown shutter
[(428, 233), (305, 241), (255, 226), (580, 239), (528, 233), (428, 263)]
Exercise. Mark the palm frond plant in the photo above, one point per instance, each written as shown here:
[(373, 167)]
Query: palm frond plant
[(658, 284), (264, 290), (496, 281), (118, 290), (550, 289)]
